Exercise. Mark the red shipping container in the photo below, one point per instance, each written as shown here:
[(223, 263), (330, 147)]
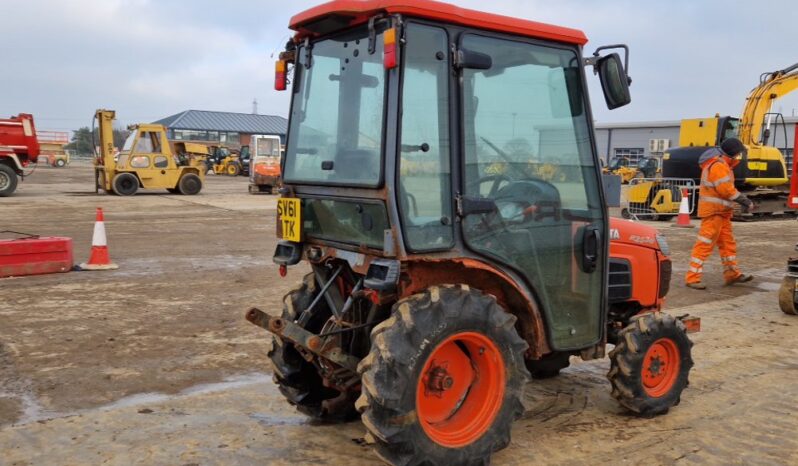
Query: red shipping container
[(35, 255)]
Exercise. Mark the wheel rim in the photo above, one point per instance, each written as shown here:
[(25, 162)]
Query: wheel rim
[(461, 389), (660, 367), (5, 180), (231, 170)]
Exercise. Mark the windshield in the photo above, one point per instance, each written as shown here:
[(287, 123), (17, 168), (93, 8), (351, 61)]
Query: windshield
[(335, 130), (129, 142)]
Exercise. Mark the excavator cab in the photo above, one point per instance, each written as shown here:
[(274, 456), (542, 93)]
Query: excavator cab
[(441, 180)]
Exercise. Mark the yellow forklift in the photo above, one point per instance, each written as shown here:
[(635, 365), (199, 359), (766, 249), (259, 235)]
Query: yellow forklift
[(146, 160)]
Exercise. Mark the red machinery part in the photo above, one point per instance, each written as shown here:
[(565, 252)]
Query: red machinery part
[(18, 134), (35, 256)]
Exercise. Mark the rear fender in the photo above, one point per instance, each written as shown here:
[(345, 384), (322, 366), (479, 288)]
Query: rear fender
[(421, 274)]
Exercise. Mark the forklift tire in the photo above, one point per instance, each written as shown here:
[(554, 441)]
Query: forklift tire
[(548, 366), (443, 381), (8, 180), (788, 296), (650, 365), (60, 163), (298, 379), (189, 184), (125, 184)]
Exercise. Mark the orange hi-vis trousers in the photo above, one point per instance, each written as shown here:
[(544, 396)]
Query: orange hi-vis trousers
[(715, 230)]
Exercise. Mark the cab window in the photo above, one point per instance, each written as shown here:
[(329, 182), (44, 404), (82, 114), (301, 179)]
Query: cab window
[(140, 161), (160, 162)]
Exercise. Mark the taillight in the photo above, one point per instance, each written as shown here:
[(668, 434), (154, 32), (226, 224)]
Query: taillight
[(280, 78), (389, 49)]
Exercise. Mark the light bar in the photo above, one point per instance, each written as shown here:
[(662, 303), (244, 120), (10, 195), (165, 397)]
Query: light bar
[(389, 49), (280, 78)]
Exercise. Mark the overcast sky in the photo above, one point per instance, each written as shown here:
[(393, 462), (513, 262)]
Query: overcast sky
[(147, 59)]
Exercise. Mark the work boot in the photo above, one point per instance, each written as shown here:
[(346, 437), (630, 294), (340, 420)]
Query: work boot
[(696, 286), (742, 278)]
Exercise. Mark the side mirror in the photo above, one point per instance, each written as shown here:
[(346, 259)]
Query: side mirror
[(614, 81)]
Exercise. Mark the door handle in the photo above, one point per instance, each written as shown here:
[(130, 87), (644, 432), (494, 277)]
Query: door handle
[(591, 245)]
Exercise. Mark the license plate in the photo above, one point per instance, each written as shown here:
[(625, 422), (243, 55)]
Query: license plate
[(289, 215)]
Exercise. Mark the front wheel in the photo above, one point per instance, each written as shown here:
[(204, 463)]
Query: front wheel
[(125, 184), (189, 184), (444, 379), (60, 163), (650, 365), (788, 296)]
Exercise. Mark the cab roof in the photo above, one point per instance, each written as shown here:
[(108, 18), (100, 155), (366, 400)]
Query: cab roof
[(339, 14)]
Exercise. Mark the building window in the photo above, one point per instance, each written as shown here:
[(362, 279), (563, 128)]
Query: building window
[(633, 154), (232, 138)]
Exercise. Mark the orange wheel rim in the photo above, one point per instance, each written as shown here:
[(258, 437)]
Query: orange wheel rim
[(461, 389), (661, 367)]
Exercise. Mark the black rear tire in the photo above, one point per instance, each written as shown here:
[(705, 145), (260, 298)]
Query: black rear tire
[(403, 346), (636, 364), (60, 163), (189, 184), (125, 184), (8, 180), (298, 379), (788, 295)]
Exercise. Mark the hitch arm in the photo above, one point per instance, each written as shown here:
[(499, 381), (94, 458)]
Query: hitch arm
[(291, 332)]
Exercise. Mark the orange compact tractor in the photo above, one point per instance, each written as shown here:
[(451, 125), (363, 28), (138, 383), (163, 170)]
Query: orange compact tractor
[(442, 182)]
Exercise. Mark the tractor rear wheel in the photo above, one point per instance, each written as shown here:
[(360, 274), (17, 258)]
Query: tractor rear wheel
[(444, 379), (189, 184), (125, 184), (299, 380), (8, 180), (60, 163), (788, 296), (651, 364)]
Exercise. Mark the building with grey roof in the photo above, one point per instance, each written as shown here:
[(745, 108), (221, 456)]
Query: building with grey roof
[(228, 129)]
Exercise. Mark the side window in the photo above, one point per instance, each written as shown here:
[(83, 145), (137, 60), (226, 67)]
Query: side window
[(160, 162), (424, 181), (149, 142), (140, 161)]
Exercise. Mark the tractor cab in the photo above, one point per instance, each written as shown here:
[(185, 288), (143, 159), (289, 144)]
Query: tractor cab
[(441, 179)]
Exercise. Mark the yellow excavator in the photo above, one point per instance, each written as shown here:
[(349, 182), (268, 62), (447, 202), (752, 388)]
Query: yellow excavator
[(762, 175), (146, 160)]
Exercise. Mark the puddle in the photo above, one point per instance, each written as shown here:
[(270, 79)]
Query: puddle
[(270, 420), (33, 411)]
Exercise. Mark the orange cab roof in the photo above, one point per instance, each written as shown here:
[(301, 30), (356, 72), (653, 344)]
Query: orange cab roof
[(339, 14)]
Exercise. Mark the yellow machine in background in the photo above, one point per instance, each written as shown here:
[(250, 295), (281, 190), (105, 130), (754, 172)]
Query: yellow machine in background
[(762, 175), (653, 200), (146, 161), (223, 162)]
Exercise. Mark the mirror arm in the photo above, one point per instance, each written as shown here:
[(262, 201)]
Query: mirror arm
[(593, 61)]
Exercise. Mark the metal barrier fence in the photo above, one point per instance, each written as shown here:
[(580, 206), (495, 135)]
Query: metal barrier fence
[(657, 198)]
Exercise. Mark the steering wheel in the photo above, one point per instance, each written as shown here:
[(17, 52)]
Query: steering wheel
[(496, 179)]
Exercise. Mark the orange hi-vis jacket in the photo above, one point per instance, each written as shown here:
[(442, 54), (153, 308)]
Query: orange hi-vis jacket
[(717, 191)]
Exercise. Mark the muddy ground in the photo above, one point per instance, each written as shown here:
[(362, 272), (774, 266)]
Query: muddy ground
[(154, 364)]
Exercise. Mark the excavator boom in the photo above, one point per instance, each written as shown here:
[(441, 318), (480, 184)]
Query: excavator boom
[(772, 86)]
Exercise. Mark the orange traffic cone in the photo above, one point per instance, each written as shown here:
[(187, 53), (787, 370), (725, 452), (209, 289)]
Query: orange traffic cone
[(99, 258), (683, 220)]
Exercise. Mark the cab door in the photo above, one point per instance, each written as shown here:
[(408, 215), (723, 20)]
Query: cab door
[(153, 164), (531, 190)]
